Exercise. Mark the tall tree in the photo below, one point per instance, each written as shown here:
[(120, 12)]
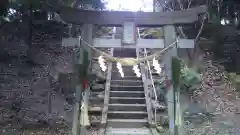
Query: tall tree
[(3, 7)]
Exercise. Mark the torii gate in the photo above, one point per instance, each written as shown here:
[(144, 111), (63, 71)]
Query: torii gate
[(129, 21)]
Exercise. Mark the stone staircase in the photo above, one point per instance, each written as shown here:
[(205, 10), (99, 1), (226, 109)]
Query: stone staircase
[(127, 111), (127, 105)]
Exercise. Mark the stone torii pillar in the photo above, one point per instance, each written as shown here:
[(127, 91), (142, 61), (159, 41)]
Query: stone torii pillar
[(79, 118), (169, 38)]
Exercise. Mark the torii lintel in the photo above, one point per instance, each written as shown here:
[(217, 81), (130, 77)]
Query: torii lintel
[(141, 19)]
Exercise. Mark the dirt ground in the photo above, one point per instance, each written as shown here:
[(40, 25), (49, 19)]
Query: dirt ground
[(24, 102), (217, 96)]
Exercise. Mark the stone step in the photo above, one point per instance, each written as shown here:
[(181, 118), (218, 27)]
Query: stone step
[(128, 131), (95, 108), (127, 107), (96, 94), (127, 114), (126, 69), (115, 73), (97, 90), (116, 76), (126, 88), (126, 100), (127, 123), (124, 52), (114, 66), (127, 82), (127, 94)]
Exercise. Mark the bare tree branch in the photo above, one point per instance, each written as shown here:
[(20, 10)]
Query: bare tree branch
[(180, 4), (162, 3), (200, 30), (189, 3)]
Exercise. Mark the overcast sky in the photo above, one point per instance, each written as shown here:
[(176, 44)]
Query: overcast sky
[(132, 5)]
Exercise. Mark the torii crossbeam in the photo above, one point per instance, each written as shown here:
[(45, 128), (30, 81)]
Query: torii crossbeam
[(141, 19)]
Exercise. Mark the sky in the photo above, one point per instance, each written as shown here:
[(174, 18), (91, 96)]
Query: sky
[(129, 5)]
